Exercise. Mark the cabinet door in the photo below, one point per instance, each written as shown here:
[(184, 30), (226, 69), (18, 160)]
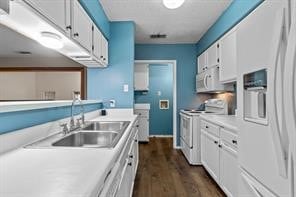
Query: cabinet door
[(202, 62), (125, 185), (97, 40), (56, 11), (228, 169), (104, 48), (213, 55), (143, 129), (212, 158), (82, 27), (141, 77), (135, 155), (203, 148), (228, 57)]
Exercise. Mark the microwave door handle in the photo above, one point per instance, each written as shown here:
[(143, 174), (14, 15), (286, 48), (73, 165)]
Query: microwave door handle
[(289, 84), (205, 81), (273, 103)]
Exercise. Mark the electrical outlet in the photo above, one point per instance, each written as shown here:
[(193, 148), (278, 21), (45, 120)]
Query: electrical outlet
[(112, 103)]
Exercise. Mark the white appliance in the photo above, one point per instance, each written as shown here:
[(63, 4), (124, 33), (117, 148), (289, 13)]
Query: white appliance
[(266, 101), (208, 81), (190, 128)]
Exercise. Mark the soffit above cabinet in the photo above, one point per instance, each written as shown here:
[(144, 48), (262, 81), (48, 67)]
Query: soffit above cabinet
[(186, 24)]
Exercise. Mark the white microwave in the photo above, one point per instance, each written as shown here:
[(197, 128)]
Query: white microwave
[(208, 81)]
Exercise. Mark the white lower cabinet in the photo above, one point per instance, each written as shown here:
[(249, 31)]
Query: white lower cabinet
[(119, 181), (228, 169), (143, 124), (212, 158), (219, 156)]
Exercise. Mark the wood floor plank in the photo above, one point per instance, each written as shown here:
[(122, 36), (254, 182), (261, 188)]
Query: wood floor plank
[(164, 172)]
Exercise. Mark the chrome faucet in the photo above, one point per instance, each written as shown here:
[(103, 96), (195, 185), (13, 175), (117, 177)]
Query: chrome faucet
[(77, 98)]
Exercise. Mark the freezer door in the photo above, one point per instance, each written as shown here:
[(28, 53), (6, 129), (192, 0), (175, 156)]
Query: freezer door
[(290, 95), (250, 187)]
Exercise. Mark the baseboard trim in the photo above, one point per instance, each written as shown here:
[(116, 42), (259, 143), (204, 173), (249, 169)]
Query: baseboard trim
[(162, 136)]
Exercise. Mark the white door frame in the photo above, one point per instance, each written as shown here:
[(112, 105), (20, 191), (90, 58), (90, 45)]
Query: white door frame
[(174, 63)]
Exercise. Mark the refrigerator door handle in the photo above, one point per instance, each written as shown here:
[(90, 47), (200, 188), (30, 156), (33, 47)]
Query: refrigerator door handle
[(256, 187), (249, 183), (277, 136)]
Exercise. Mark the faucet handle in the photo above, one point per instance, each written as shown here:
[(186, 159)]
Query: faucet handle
[(64, 127), (78, 124)]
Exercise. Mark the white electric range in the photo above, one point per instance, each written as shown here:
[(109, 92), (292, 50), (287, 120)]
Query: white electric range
[(190, 128)]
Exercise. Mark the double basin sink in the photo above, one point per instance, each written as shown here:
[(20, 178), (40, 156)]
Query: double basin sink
[(92, 135)]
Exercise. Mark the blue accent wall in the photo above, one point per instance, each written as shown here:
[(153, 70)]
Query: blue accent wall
[(96, 12), (108, 83), (185, 54), (237, 10), (11, 121), (160, 79)]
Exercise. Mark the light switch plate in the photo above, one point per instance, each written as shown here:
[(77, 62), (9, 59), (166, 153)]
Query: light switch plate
[(125, 88)]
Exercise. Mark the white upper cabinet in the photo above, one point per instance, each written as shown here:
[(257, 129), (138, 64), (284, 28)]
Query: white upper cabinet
[(202, 62), (100, 47), (141, 77), (81, 26), (213, 55), (104, 49), (56, 11), (97, 43), (228, 57)]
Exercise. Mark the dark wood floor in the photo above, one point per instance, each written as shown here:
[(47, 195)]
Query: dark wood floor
[(164, 172)]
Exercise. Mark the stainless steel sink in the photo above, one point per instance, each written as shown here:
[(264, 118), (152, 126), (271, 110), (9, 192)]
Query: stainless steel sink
[(106, 126), (88, 139), (100, 134)]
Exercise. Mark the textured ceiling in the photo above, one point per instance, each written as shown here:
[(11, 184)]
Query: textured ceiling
[(186, 24)]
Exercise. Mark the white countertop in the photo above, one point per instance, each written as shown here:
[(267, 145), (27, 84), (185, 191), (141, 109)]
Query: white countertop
[(59, 172), (142, 106), (227, 121)]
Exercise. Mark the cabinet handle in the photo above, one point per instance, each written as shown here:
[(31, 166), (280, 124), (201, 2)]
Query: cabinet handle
[(101, 56), (216, 142), (69, 27), (234, 141), (104, 59), (136, 140), (207, 127), (76, 34), (220, 146), (218, 60), (137, 126), (130, 164), (131, 156), (218, 45)]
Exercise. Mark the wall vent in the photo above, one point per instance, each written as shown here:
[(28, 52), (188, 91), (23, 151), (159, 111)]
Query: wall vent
[(158, 36)]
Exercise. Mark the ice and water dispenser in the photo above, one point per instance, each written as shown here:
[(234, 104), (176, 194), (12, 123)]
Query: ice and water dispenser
[(255, 88)]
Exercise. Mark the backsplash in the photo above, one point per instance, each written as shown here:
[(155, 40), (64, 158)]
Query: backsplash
[(231, 100)]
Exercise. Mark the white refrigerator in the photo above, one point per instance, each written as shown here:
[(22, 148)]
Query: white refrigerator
[(266, 41)]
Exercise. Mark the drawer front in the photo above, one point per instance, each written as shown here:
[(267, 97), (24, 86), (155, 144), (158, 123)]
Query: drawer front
[(210, 128), (142, 113), (228, 137)]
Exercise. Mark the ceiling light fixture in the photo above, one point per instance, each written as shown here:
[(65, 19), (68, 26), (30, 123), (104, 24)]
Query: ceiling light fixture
[(172, 4), (51, 40)]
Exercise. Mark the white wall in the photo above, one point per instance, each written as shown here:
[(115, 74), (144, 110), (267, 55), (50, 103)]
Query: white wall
[(30, 85), (17, 85), (63, 83)]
